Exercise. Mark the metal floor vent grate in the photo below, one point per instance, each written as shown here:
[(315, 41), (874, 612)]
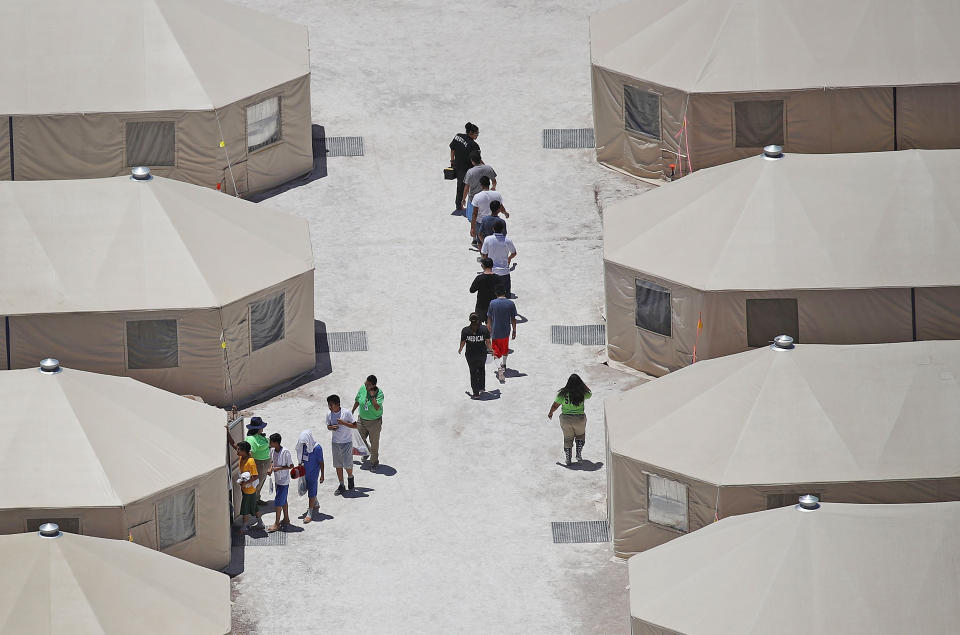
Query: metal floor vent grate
[(586, 334), (343, 146), (563, 138), (581, 531), (275, 539), (342, 342)]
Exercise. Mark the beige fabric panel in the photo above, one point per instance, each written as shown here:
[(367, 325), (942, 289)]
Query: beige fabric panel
[(928, 117), (253, 372), (639, 627), (103, 522), (97, 342), (5, 149), (644, 350), (938, 313), (815, 121), (629, 151)]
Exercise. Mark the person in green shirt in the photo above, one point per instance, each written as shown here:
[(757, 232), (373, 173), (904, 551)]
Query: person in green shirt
[(570, 399), (259, 449), (370, 401)]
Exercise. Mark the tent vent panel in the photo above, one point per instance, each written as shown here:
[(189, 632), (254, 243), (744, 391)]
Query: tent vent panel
[(667, 502), (263, 124), (260, 539), (267, 319), (343, 146), (641, 111), (152, 344), (586, 334), (177, 518), (342, 342), (769, 317), (581, 531), (150, 143), (758, 123), (654, 310), (564, 138)]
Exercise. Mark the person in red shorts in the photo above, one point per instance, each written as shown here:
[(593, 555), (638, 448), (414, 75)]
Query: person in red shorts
[(502, 323)]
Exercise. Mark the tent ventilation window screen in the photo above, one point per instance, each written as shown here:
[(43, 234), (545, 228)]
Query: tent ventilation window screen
[(653, 308), (758, 123), (68, 525), (151, 143), (263, 124), (770, 317), (152, 344), (641, 111), (177, 518), (266, 321), (666, 502)]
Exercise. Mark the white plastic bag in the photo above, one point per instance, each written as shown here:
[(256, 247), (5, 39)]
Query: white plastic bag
[(359, 445), (302, 486)]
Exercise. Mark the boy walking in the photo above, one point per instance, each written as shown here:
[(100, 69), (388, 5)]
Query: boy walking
[(472, 180), (502, 251), (280, 464), (502, 320), (485, 226), (481, 205), (248, 487), (485, 286), (340, 422), (370, 401)]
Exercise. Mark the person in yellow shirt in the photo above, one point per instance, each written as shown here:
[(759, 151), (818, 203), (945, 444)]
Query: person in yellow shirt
[(248, 480)]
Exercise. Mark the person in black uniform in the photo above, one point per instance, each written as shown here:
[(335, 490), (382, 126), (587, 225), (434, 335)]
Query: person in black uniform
[(460, 148), (476, 338)]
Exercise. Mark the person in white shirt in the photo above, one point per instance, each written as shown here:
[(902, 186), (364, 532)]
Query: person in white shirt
[(341, 423), (280, 464), (481, 206), (502, 251)]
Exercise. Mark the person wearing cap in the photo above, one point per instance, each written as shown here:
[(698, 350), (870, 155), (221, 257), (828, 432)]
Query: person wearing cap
[(259, 449), (370, 401), (249, 479), (476, 338)]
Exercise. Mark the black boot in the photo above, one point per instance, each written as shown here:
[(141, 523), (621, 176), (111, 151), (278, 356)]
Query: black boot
[(350, 482), (580, 443), (568, 452)]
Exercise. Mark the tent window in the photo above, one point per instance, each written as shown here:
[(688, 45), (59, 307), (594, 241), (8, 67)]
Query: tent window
[(68, 525), (152, 344), (771, 317), (177, 518), (758, 123), (666, 502), (266, 321), (653, 307), (263, 124), (151, 143), (776, 501), (641, 111)]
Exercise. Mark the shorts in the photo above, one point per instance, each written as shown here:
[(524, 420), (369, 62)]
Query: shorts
[(501, 347), (248, 504), (343, 455), (281, 498)]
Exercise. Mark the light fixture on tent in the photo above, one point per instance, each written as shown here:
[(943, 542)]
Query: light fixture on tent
[(772, 152), (50, 366), (50, 530), (808, 503), (782, 343), (140, 173)]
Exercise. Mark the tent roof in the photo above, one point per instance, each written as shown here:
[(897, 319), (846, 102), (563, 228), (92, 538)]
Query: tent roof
[(813, 414), (117, 244), (843, 568), (81, 584), (716, 46), (79, 439), (70, 56), (807, 221)]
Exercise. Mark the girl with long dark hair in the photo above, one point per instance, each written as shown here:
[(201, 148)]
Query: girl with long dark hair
[(570, 399)]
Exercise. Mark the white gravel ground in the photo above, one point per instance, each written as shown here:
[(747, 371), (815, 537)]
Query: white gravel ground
[(458, 539)]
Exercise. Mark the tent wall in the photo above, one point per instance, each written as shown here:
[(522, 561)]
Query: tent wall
[(254, 371), (102, 522), (210, 547), (635, 153), (97, 342), (928, 117), (843, 316), (92, 145), (639, 627), (3, 342), (5, 149)]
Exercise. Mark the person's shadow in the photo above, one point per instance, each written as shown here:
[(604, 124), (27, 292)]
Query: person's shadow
[(512, 372), (582, 466), (357, 492), (488, 395)]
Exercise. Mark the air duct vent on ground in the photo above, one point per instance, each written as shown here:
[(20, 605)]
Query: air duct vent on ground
[(586, 334), (564, 138), (342, 342), (343, 146), (581, 531)]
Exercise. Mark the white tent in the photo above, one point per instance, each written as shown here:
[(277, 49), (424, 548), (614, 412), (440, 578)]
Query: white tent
[(94, 87), (872, 423), (115, 458), (852, 569), (73, 585), (163, 281)]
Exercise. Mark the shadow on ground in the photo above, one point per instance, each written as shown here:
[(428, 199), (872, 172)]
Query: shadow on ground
[(357, 492), (321, 368), (582, 466), (318, 172), (383, 469)]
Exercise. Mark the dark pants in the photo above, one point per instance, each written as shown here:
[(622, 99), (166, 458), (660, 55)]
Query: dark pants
[(477, 377), (460, 187), (504, 281)]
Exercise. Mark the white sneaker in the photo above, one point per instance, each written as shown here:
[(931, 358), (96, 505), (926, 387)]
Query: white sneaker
[(502, 374)]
